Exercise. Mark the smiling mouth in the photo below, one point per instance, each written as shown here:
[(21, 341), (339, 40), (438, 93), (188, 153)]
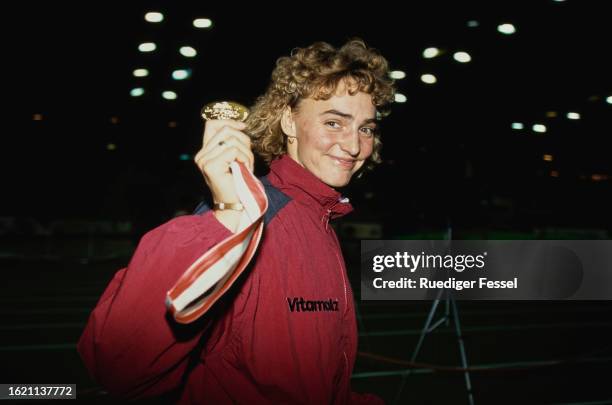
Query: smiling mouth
[(344, 163)]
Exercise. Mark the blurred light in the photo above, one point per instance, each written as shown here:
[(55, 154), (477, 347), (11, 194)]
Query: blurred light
[(169, 95), (507, 29), (137, 92), (154, 17), (431, 52), (188, 51), (141, 72), (573, 116), (473, 23), (397, 74), (558, 1), (609, 99), (37, 117), (184, 156), (181, 74), (554, 173), (172, 124), (428, 78), (111, 146), (517, 125), (548, 158), (202, 23), (551, 114), (462, 57), (599, 177), (539, 128), (400, 98), (114, 120), (147, 47)]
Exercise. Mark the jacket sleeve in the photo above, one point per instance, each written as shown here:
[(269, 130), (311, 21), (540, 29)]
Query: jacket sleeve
[(365, 399), (131, 345)]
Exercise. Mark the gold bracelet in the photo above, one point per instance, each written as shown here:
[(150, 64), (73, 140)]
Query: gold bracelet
[(228, 206)]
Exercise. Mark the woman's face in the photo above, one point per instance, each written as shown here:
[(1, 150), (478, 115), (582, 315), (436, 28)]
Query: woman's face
[(334, 137)]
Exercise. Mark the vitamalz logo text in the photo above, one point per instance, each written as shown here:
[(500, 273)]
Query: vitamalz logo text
[(301, 305)]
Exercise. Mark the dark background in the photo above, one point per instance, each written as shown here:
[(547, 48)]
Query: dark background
[(450, 150), (72, 210)]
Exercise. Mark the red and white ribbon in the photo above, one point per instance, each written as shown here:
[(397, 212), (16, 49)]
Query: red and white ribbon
[(213, 273)]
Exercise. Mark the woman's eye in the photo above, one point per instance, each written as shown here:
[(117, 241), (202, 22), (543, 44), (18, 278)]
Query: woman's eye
[(368, 131), (333, 124)]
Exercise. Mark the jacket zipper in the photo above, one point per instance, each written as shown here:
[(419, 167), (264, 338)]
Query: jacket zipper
[(346, 367), (336, 249), (341, 268), (343, 283)]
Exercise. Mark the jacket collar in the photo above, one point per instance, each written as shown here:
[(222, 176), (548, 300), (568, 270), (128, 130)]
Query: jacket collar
[(298, 183)]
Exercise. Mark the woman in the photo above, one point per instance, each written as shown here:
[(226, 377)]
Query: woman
[(286, 333)]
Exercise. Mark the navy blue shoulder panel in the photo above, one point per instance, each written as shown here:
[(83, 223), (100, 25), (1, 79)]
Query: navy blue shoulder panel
[(202, 208), (276, 201)]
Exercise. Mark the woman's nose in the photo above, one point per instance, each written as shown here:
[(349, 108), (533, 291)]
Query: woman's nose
[(350, 142)]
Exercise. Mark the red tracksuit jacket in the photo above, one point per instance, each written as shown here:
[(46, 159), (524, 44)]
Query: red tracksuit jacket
[(285, 333)]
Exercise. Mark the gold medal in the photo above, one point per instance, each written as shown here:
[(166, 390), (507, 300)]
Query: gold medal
[(224, 110)]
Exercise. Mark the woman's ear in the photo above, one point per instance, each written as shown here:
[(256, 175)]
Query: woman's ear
[(287, 122)]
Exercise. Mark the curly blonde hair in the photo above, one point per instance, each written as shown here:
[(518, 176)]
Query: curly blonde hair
[(316, 71)]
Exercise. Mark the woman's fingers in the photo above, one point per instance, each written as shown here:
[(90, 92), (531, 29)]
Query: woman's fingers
[(230, 142), (223, 143), (213, 128), (227, 156), (224, 135)]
